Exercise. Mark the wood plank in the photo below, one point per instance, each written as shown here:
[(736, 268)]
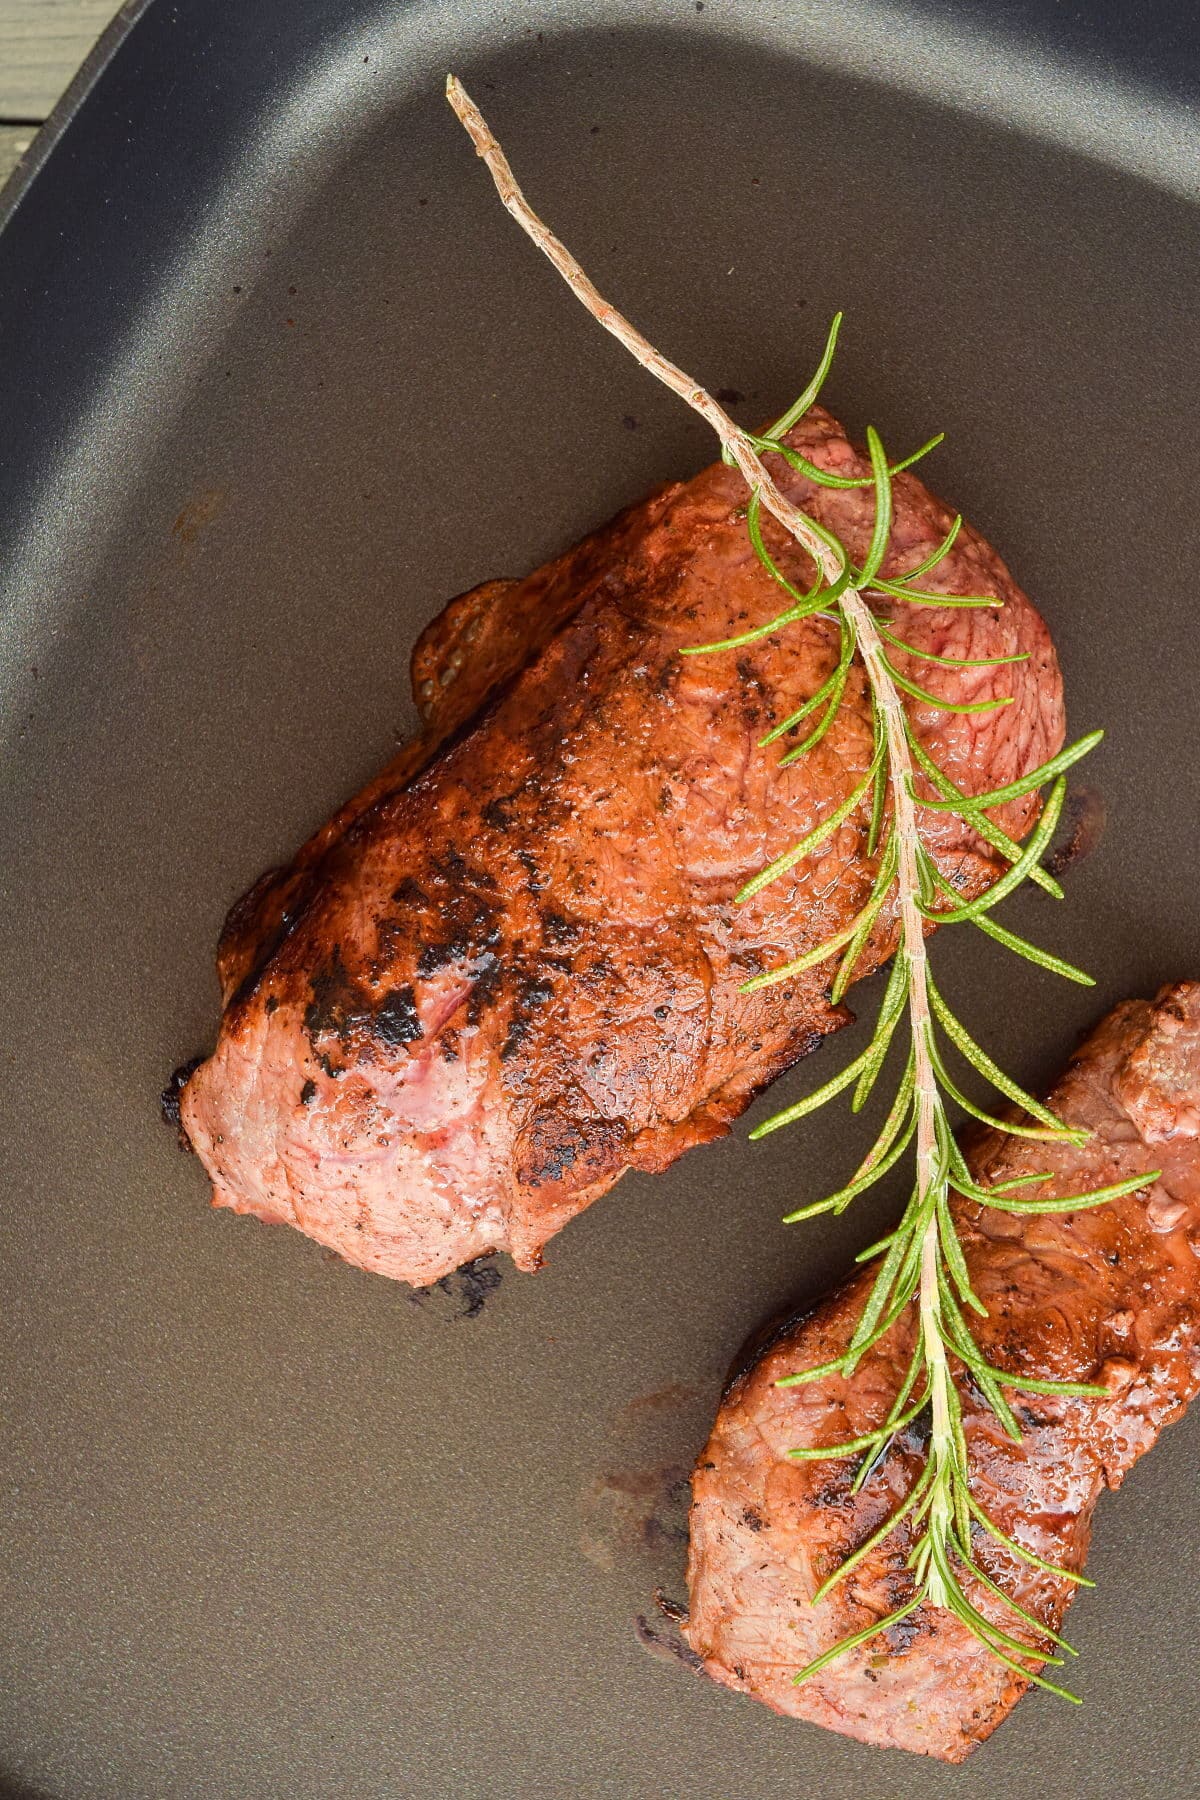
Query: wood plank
[(14, 142), (42, 43)]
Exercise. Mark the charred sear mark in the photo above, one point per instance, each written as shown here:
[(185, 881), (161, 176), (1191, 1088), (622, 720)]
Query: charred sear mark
[(536, 879), (342, 1008), (903, 1634), (337, 1002), (168, 1100), (396, 1020), (264, 953), (487, 986), (752, 1518), (409, 893), (468, 1288), (457, 872), (678, 1610), (555, 1145), (308, 1093), (667, 1645), (498, 811), (530, 994), (467, 927), (518, 1030), (558, 929)]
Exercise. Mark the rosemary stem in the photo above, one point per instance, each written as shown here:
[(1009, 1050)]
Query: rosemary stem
[(886, 695), (908, 887), (732, 437), (946, 1506)]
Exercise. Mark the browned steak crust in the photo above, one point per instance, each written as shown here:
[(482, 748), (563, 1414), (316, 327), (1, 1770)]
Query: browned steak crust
[(509, 969), (1108, 1295)]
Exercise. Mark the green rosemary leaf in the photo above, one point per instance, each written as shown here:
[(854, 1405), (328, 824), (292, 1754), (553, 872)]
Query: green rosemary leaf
[(1029, 1619), (956, 1262), (800, 406), (1022, 1669), (814, 839), (948, 662), (812, 471), (1044, 1134), (1003, 1646), (785, 971), (879, 797), (878, 1247), (902, 1111), (1017, 790), (856, 1446), (931, 562), (969, 812), (754, 530), (1035, 1624), (892, 1006), (832, 1452), (1070, 1390), (964, 1346), (882, 530), (894, 1423), (835, 546), (979, 1059), (920, 597), (916, 1366), (848, 644), (856, 1638), (872, 1165), (773, 446), (915, 456), (819, 954), (972, 1616), (837, 1203), (1020, 1181), (831, 712), (994, 1395), (812, 1101), (876, 1538), (1067, 1202), (752, 636), (816, 600), (959, 1440), (1033, 952), (1028, 859), (885, 876), (1029, 1556), (836, 1366), (939, 700), (891, 1281)]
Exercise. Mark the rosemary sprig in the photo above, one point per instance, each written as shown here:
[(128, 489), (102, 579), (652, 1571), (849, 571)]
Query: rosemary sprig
[(920, 1265)]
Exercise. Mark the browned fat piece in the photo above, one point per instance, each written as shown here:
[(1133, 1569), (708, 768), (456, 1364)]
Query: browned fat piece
[(509, 969), (1109, 1295)]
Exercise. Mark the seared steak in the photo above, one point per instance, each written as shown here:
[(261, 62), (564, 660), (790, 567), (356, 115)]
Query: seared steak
[(1109, 1295), (509, 969)]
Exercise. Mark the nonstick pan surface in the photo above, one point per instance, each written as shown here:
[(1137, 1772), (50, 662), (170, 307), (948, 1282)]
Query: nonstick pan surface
[(277, 378)]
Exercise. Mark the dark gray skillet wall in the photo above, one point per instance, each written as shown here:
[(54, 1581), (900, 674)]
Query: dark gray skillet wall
[(270, 1526)]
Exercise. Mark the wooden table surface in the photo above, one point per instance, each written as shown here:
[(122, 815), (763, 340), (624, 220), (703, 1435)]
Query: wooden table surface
[(42, 43)]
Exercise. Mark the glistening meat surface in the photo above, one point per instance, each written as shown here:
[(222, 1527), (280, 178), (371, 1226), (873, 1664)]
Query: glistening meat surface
[(1110, 1295), (508, 970)]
